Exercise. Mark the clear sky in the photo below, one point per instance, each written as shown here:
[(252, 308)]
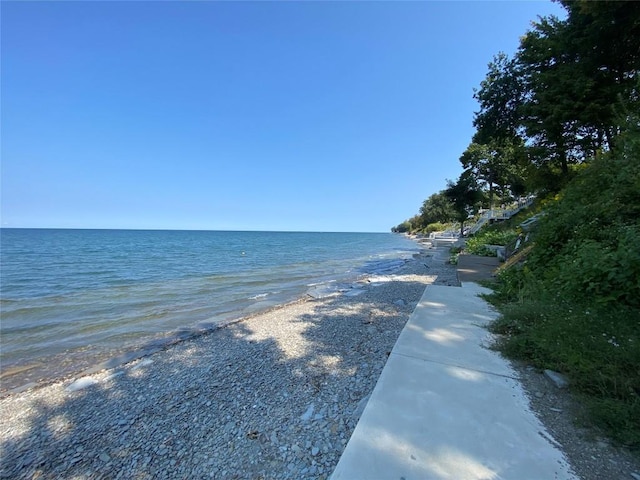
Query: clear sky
[(317, 116)]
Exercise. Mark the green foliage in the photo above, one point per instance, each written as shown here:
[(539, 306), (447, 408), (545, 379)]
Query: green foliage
[(483, 250), (510, 286), (488, 164), (465, 196), (575, 305), (436, 227), (476, 245), (436, 209), (607, 272), (404, 227), (558, 95), (454, 252), (500, 96), (587, 246), (599, 350)]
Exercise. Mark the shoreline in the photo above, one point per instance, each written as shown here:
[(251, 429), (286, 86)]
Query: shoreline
[(276, 394), (108, 297), (111, 358), (90, 359)]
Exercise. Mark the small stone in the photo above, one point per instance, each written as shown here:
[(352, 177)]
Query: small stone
[(143, 363), (28, 460), (306, 416), (635, 475), (315, 451), (81, 383), (104, 457)]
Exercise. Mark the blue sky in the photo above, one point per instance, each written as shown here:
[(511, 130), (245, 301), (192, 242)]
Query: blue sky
[(314, 116)]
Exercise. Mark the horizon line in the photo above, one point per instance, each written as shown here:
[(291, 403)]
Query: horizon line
[(187, 230)]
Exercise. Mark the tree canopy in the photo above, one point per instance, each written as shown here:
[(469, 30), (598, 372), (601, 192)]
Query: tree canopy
[(558, 102)]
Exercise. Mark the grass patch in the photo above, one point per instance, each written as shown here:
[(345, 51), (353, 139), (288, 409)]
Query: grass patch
[(454, 252), (598, 350)]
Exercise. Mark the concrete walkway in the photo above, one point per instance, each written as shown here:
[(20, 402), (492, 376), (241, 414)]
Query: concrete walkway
[(446, 407), (472, 268)]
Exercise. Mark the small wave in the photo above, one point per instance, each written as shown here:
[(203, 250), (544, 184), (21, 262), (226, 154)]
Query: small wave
[(259, 296), (383, 266), (322, 292)]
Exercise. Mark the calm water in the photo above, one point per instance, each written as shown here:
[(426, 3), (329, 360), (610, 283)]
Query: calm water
[(64, 291)]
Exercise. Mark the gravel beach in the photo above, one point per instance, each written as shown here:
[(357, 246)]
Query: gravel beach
[(274, 396)]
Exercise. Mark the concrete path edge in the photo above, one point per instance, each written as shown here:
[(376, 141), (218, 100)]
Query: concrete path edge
[(446, 407)]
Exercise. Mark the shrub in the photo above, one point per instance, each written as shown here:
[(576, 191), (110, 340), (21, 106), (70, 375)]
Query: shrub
[(587, 246), (436, 227), (477, 245), (454, 252)]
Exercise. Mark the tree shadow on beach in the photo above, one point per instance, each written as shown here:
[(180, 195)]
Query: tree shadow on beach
[(240, 402)]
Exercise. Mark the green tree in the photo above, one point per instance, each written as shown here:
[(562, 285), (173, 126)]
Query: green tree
[(497, 154), (491, 164), (550, 77), (404, 227), (575, 72), (465, 195), (500, 96), (604, 38), (437, 208)]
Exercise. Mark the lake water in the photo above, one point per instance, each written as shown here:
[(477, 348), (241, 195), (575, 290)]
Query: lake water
[(71, 292)]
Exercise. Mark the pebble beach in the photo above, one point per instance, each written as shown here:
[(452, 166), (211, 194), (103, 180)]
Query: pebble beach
[(273, 396)]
